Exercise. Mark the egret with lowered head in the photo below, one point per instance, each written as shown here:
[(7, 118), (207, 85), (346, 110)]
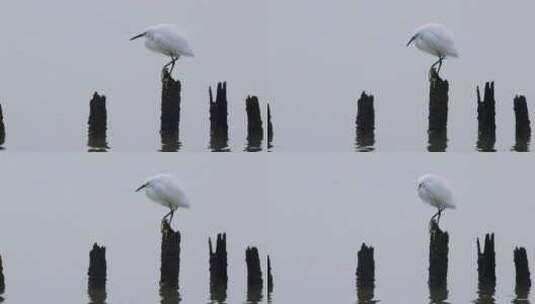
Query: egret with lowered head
[(166, 39), (434, 191), (165, 190), (435, 39)]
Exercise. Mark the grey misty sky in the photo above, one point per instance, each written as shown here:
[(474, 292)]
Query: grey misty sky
[(311, 60)]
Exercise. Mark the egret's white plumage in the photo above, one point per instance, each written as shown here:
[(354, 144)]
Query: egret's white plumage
[(434, 191), (165, 190), (435, 39), (166, 39)]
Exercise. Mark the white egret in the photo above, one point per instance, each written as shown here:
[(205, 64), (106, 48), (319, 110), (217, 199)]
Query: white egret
[(165, 190), (434, 191), (166, 39), (435, 39)]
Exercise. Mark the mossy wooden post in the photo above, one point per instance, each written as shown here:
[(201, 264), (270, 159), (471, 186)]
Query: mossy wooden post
[(97, 124), (437, 130), (269, 128), (219, 118), (365, 273), (170, 257), (218, 268), (170, 113), (522, 124), (486, 119), (438, 256), (365, 123), (2, 128), (255, 132), (523, 279), (254, 275), (2, 279), (97, 272)]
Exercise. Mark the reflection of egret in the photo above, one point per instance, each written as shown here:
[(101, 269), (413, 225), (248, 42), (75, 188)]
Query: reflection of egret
[(164, 190), (435, 39), (166, 39), (433, 190)]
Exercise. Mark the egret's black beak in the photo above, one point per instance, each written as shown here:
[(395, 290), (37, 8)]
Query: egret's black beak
[(141, 187), (138, 36), (412, 39)]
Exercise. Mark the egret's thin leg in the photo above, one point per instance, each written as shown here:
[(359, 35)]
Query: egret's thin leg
[(439, 61), (172, 214), (440, 64), (168, 214)]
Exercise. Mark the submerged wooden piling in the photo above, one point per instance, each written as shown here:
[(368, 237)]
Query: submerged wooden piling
[(2, 278), (170, 113), (255, 132), (170, 257), (365, 123), (2, 127), (218, 118), (254, 275), (269, 276), (486, 262), (269, 128), (218, 268), (523, 280), (97, 124), (522, 124), (486, 119), (437, 130), (438, 257)]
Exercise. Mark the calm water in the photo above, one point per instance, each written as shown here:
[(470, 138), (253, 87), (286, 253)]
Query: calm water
[(310, 212), (311, 71)]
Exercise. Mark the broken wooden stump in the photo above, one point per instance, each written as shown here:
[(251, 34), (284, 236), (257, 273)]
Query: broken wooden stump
[(170, 113), (486, 119), (255, 132), (170, 257), (269, 276), (437, 130), (218, 268), (365, 274), (438, 257), (218, 119), (365, 123), (2, 128), (254, 275), (2, 279), (486, 262), (96, 283), (97, 124), (522, 125), (269, 128), (523, 280)]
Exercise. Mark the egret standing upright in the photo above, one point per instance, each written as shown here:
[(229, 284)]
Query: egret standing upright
[(166, 39), (433, 190), (435, 39), (164, 190)]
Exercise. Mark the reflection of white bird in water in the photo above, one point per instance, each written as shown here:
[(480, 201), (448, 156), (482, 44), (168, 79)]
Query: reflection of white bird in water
[(164, 190), (166, 39), (435, 39), (433, 190)]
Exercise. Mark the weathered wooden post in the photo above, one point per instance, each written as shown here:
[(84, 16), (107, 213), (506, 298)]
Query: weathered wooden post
[(218, 119), (255, 132), (365, 274), (365, 123), (170, 113), (269, 276), (2, 128), (170, 257), (2, 278), (486, 119), (486, 268), (438, 257), (97, 124), (218, 268), (523, 280), (522, 126), (254, 275), (269, 128), (437, 130), (96, 284)]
